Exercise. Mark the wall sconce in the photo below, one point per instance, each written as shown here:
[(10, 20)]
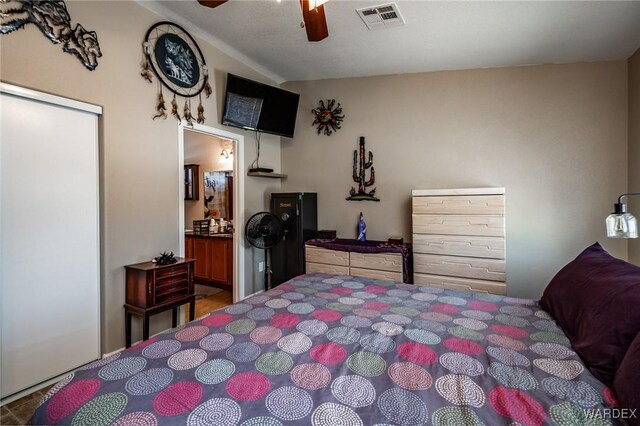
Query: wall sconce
[(226, 156), (620, 223)]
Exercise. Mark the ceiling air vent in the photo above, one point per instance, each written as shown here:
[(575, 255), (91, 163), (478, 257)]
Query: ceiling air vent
[(385, 15)]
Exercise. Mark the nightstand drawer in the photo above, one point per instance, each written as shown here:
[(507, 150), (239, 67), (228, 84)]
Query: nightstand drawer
[(170, 272)]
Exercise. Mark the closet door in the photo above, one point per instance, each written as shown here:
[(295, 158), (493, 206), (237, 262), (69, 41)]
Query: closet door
[(49, 237)]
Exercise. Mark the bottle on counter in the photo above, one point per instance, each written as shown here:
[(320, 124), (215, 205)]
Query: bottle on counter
[(362, 229)]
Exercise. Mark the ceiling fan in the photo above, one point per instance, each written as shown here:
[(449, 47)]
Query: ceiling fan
[(315, 21)]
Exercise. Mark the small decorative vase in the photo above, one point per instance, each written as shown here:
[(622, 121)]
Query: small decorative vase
[(362, 229)]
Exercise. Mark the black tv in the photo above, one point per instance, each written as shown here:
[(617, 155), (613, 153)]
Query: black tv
[(256, 106)]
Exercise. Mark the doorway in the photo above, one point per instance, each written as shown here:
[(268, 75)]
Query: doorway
[(223, 164)]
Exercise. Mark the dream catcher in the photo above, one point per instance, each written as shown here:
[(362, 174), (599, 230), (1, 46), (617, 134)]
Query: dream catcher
[(177, 61)]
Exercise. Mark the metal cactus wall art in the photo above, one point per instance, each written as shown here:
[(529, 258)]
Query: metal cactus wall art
[(359, 176)]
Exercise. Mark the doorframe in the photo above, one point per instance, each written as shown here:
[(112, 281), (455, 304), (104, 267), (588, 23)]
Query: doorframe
[(238, 199)]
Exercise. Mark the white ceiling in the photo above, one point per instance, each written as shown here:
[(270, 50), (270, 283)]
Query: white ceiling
[(438, 35)]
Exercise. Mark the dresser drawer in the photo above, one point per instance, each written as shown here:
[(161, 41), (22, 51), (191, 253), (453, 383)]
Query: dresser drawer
[(459, 245), (466, 267), (487, 226), (460, 204), (376, 274), (328, 257), (326, 269), (381, 261), (462, 284)]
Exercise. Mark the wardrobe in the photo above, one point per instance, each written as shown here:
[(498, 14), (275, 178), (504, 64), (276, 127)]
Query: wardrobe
[(49, 237)]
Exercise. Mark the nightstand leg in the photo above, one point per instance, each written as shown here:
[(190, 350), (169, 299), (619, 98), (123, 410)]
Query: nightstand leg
[(174, 317), (145, 327), (192, 308), (127, 328)]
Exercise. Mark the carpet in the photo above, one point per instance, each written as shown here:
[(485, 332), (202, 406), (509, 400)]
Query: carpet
[(205, 291)]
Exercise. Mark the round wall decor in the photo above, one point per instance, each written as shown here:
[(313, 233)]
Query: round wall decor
[(177, 61)]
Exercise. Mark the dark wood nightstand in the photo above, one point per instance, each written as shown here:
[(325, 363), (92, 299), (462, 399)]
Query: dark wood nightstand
[(153, 288)]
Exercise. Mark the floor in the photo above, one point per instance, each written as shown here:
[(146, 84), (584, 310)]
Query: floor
[(20, 411), (207, 303)]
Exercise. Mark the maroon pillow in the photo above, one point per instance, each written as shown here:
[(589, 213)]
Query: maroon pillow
[(596, 299), (626, 382)]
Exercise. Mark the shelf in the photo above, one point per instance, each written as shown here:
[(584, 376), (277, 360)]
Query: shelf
[(267, 175)]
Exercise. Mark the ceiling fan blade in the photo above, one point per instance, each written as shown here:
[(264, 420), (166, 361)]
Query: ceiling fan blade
[(314, 21), (212, 3)]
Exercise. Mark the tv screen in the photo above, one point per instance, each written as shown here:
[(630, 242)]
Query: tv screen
[(256, 106)]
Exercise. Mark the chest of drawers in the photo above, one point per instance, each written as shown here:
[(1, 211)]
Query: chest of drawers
[(349, 261), (459, 239)]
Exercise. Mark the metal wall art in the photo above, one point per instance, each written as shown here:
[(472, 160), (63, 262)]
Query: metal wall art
[(359, 176), (53, 20), (328, 119), (175, 58)]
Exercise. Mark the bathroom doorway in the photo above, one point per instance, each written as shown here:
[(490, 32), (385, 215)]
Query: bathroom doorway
[(211, 200)]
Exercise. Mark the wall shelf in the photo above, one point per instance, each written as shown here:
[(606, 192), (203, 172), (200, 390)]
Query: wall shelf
[(267, 175)]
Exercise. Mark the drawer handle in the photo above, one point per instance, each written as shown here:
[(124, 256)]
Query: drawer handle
[(149, 288)]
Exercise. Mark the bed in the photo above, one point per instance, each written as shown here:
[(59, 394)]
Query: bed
[(342, 350)]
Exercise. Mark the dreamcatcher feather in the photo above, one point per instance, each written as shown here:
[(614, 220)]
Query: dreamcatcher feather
[(174, 57)]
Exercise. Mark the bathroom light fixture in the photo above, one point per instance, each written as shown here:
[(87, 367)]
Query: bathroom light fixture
[(620, 223), (226, 156), (315, 3)]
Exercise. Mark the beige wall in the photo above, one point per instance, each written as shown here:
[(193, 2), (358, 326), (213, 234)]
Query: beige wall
[(634, 147), (139, 157), (555, 136)]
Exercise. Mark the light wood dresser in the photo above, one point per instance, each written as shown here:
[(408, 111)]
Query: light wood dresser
[(459, 239), (348, 261)]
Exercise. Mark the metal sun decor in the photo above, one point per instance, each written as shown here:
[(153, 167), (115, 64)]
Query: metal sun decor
[(328, 118), (359, 176), (53, 20), (175, 58)]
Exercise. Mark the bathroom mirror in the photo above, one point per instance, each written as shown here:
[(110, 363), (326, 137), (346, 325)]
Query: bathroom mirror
[(217, 195)]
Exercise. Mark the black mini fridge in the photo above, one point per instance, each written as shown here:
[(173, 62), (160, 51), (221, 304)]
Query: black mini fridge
[(299, 214)]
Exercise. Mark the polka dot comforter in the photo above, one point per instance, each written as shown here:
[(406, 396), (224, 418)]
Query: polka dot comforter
[(338, 350)]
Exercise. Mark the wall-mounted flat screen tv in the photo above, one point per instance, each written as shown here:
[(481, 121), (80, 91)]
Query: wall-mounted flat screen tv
[(256, 106)]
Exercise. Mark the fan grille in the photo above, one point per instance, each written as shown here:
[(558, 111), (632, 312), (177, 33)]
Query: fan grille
[(264, 230)]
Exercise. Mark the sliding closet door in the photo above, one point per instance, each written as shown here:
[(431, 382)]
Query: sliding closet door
[(49, 237)]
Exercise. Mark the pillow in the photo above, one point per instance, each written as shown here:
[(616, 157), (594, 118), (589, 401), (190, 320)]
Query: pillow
[(626, 382), (595, 300)]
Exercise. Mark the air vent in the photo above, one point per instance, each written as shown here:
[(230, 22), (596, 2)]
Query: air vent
[(385, 15)]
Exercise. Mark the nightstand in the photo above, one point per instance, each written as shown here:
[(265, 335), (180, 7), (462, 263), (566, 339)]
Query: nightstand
[(153, 288)]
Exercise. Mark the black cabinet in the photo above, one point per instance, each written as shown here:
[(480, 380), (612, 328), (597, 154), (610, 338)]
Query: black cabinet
[(299, 214), (191, 182)]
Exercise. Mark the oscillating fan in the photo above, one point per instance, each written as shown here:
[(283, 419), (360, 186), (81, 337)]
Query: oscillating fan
[(264, 230)]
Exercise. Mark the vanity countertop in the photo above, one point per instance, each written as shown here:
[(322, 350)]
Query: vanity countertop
[(210, 235)]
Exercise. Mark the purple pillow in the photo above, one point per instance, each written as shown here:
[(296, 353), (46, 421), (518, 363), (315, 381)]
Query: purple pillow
[(626, 382), (596, 300)]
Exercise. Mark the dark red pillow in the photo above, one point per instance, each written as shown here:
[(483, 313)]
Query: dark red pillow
[(627, 380), (596, 301)]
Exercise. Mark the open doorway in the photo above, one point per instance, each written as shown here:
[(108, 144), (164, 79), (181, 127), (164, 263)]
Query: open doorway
[(211, 207)]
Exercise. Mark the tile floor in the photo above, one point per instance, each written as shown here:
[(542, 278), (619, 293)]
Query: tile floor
[(20, 411)]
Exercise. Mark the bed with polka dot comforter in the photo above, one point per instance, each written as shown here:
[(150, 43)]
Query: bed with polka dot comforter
[(338, 350)]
